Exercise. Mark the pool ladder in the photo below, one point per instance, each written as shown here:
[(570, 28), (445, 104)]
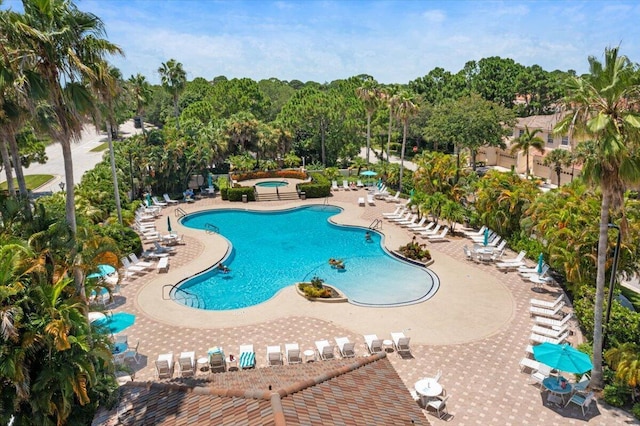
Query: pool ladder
[(179, 212), (210, 228), (376, 224), (191, 300)]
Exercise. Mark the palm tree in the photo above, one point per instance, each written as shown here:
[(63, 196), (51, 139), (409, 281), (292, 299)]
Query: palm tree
[(108, 88), (390, 96), (141, 91), (59, 43), (406, 108), (557, 159), (369, 93), (174, 80), (603, 107), (525, 142)]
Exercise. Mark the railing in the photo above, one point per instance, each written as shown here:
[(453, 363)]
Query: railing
[(377, 223), (210, 228), (179, 212), (179, 294)]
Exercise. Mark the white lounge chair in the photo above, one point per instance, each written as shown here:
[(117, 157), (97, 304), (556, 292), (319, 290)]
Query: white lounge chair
[(538, 338), (274, 355), (359, 184), (217, 362), (345, 185), (439, 237), (247, 357), (345, 347), (157, 202), (334, 185), (512, 263), (550, 332), (529, 363), (370, 200), (325, 350), (402, 218), (542, 372), (168, 199), (546, 304), (164, 366), (398, 212), (480, 239), (401, 343), (292, 351), (427, 228), (408, 221), (541, 275), (418, 225), (361, 201), (187, 364), (553, 323), (433, 231), (393, 199), (551, 313), (132, 269), (471, 234), (374, 345), (137, 262)]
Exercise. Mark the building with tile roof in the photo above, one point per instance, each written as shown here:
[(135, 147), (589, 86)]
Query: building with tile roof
[(360, 391)]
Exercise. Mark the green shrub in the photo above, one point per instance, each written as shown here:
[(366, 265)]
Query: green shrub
[(319, 187), (616, 395), (283, 174), (636, 411), (415, 251), (224, 193), (235, 194), (315, 288)]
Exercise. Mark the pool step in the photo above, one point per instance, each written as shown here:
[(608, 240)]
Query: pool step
[(282, 195)]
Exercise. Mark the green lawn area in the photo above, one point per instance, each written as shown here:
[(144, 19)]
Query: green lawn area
[(33, 181), (103, 146)]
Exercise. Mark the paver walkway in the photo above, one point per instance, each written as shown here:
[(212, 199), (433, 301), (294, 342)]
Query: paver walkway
[(475, 329)]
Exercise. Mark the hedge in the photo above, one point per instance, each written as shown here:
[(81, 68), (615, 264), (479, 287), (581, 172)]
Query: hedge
[(235, 194), (319, 187), (284, 174)]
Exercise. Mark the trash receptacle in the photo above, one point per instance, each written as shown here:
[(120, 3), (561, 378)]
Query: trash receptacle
[(244, 198), (303, 195), (137, 122)]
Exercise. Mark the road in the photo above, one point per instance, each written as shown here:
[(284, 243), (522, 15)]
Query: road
[(83, 158)]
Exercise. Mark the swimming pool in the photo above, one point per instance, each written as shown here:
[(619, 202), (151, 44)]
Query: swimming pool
[(272, 183), (273, 250)]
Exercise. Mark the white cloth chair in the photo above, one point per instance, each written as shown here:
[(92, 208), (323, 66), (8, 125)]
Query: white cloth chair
[(541, 373), (439, 404), (583, 401)]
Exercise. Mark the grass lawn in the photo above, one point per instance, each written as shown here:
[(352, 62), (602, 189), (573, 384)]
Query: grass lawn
[(32, 181), (103, 146)]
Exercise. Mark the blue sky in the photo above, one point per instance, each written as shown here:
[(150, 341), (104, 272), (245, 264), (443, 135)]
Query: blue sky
[(394, 41)]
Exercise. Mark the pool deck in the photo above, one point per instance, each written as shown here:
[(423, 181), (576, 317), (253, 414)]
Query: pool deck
[(475, 329)]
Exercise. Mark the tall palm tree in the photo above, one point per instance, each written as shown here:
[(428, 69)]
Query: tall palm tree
[(557, 159), (369, 93), (390, 96), (60, 43), (108, 87), (174, 80), (603, 107), (406, 108), (141, 90), (525, 142)]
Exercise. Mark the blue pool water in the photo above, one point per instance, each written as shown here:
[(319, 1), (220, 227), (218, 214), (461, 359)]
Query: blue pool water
[(272, 183), (117, 322), (273, 250)]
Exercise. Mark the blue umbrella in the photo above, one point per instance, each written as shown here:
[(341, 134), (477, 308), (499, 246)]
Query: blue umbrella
[(169, 224), (486, 237), (540, 263), (148, 200), (368, 173), (562, 357), (210, 180)]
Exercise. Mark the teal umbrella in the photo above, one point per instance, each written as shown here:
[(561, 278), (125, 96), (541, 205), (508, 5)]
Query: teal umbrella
[(562, 357), (148, 200), (368, 173), (486, 237), (169, 224), (210, 180), (540, 263)]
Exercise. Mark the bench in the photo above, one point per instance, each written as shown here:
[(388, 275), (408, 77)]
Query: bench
[(163, 264)]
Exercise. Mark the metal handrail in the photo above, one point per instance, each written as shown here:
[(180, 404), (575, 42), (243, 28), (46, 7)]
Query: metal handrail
[(377, 223), (191, 296), (179, 212), (210, 228)]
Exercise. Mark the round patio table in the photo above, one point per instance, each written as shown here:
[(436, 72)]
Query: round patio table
[(556, 391), (428, 387)]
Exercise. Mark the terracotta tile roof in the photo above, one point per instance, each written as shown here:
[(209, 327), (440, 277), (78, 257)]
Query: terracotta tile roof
[(360, 391)]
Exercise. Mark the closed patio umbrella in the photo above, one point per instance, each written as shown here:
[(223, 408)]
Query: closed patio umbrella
[(486, 237), (148, 200), (169, 224), (562, 357), (540, 263)]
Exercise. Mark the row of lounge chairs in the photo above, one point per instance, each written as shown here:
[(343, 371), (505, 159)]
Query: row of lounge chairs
[(404, 217), (346, 185)]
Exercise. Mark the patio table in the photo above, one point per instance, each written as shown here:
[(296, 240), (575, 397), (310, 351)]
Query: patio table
[(556, 391), (428, 387)]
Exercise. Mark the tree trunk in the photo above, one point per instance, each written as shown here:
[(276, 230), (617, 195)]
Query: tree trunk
[(404, 143), (17, 164), (114, 175), (322, 143), (603, 237), (6, 163), (558, 171), (389, 134), (368, 135), (176, 112)]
